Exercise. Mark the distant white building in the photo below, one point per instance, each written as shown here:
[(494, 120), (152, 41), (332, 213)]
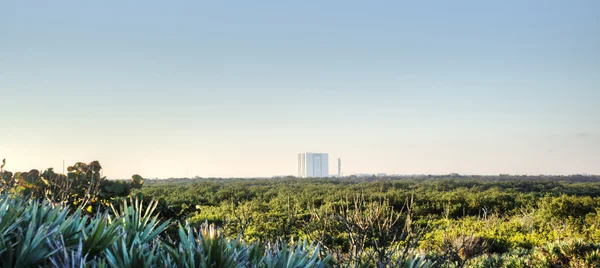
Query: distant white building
[(313, 165)]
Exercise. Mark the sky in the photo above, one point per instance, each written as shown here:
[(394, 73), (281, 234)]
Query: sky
[(239, 88)]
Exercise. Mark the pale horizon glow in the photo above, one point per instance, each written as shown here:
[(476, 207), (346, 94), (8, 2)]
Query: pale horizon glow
[(215, 89)]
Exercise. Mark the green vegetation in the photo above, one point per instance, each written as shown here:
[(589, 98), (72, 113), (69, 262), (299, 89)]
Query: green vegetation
[(81, 186), (42, 234), (83, 220), (39, 227), (451, 221)]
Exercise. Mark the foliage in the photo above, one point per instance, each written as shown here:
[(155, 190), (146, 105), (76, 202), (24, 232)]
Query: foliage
[(447, 220), (83, 220), (34, 233), (83, 186)]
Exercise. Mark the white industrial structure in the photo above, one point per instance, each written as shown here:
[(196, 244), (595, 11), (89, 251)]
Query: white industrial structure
[(313, 165)]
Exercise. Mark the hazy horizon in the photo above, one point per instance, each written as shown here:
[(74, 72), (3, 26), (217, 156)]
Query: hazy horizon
[(167, 89)]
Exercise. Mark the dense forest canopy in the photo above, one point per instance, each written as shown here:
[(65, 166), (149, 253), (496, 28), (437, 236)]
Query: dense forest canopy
[(453, 219)]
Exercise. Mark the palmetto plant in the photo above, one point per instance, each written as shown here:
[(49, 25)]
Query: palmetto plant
[(135, 255), (23, 233), (290, 256), (139, 244), (66, 257), (207, 247), (414, 262), (34, 233), (99, 235), (140, 223)]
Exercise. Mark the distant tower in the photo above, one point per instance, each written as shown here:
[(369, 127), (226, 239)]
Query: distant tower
[(339, 167), (313, 165)]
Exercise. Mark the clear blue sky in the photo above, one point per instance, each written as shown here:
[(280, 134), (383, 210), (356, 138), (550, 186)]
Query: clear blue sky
[(216, 88)]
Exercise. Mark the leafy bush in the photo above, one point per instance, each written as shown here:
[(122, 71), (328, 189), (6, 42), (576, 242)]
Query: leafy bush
[(82, 186)]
